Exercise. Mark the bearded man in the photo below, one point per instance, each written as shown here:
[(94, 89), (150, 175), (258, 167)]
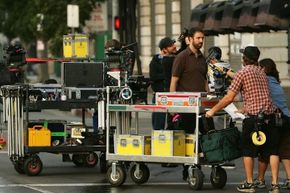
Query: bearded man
[(189, 73)]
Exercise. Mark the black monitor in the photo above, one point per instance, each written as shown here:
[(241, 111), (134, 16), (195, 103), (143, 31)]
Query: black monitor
[(83, 74)]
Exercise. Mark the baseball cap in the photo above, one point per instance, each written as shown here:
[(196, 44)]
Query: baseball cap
[(251, 52), (166, 42)]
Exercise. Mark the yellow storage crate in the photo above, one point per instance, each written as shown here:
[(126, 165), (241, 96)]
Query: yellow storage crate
[(133, 145), (76, 46), (38, 136), (168, 143), (189, 145)]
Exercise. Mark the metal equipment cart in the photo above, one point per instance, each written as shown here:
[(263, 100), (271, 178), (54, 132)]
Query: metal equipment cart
[(119, 116), (18, 101)]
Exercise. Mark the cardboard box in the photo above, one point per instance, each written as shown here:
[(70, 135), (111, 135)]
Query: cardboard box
[(189, 144), (133, 145), (76, 46), (38, 136), (168, 143)]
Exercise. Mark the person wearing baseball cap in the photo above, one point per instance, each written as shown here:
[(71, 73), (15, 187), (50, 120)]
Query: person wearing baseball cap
[(166, 43), (251, 53), (159, 77), (251, 82)]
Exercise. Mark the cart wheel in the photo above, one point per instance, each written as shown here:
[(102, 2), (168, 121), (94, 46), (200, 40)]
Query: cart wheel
[(91, 159), (196, 180), (218, 177), (32, 166), (19, 167), (119, 178), (78, 160), (142, 176), (103, 163)]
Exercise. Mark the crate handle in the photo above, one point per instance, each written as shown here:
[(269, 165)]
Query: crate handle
[(37, 127), (135, 143), (162, 138), (123, 142)]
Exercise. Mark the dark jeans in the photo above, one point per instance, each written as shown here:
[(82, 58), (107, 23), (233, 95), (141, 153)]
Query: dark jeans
[(189, 123), (158, 119)]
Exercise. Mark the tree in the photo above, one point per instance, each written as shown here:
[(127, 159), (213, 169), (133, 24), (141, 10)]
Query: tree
[(20, 18)]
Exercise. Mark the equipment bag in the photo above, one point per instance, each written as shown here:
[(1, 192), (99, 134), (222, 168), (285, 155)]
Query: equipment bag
[(221, 145)]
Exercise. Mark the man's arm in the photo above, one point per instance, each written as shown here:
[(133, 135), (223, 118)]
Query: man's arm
[(207, 86), (173, 84), (225, 101), (231, 73)]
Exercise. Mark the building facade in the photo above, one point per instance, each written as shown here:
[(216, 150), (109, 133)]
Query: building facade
[(160, 18)]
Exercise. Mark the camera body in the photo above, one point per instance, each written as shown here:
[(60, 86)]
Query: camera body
[(14, 55), (118, 72), (10, 68)]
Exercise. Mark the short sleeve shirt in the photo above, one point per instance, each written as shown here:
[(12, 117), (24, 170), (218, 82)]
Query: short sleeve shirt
[(252, 82), (191, 69)]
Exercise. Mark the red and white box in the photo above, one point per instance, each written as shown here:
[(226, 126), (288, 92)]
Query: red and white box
[(184, 99)]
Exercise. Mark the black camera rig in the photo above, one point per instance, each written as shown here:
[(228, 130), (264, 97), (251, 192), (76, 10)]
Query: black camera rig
[(221, 80), (14, 55), (118, 70), (10, 69)]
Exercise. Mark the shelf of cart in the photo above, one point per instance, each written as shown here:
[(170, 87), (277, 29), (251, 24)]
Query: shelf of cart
[(153, 159), (62, 105), (66, 149), (154, 108)]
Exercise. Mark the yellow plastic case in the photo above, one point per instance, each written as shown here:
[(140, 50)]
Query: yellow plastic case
[(133, 145), (75, 46), (189, 145), (168, 143), (38, 136)]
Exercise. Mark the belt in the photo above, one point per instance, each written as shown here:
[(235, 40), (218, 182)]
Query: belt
[(266, 116)]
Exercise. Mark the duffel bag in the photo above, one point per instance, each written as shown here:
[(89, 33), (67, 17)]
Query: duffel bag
[(221, 145)]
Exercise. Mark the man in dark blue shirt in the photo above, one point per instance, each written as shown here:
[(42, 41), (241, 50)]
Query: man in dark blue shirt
[(160, 75)]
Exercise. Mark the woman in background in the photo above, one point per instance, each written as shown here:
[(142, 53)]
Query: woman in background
[(279, 101)]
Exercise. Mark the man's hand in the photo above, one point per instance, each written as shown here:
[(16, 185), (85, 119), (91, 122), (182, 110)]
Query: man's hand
[(209, 114)]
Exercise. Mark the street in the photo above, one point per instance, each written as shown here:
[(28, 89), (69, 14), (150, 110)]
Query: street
[(65, 177)]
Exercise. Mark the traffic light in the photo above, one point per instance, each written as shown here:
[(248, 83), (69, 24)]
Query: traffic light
[(117, 23)]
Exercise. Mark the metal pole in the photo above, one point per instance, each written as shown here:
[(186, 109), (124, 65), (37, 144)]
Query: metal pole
[(7, 101), (107, 121)]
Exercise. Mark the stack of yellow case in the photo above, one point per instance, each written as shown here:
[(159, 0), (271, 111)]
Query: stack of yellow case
[(75, 46), (133, 145), (168, 143)]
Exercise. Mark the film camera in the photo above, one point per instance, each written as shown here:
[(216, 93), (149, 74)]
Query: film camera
[(221, 80), (10, 69), (118, 67)]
